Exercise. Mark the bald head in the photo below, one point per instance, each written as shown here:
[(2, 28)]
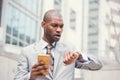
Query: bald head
[(49, 14)]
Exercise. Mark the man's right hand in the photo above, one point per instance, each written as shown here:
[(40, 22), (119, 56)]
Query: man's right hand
[(38, 70)]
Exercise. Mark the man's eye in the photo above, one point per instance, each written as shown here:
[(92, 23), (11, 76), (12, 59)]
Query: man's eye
[(54, 25), (61, 26)]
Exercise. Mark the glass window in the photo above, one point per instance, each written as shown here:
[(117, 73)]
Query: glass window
[(33, 32), (14, 42), (15, 32), (20, 26), (94, 1), (9, 16), (72, 19), (117, 1), (92, 34), (27, 39), (31, 5), (57, 1), (21, 36), (21, 44), (57, 5), (8, 39), (8, 29)]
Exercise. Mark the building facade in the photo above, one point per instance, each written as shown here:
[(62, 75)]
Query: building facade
[(102, 31), (113, 17), (93, 29)]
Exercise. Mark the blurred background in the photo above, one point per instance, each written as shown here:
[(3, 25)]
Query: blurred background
[(92, 26)]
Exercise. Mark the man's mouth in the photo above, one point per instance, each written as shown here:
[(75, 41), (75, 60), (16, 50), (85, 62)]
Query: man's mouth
[(58, 35)]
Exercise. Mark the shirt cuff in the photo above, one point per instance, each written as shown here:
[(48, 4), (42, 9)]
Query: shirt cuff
[(86, 58)]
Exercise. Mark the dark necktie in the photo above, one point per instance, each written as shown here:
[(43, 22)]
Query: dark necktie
[(49, 47)]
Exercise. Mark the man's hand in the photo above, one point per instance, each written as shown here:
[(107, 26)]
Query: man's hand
[(70, 57), (38, 70)]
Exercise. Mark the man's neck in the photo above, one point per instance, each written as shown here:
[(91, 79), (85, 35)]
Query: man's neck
[(46, 40)]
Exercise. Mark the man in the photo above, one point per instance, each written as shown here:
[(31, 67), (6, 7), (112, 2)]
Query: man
[(63, 58)]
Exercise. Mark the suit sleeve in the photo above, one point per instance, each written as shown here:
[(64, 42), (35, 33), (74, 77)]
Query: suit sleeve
[(91, 64), (22, 72)]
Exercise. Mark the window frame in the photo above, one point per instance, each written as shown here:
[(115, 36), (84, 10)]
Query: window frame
[(1, 2)]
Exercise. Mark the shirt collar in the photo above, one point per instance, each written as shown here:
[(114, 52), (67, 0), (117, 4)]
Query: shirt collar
[(44, 44)]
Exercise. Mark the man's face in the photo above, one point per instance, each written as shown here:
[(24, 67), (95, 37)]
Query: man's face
[(53, 29)]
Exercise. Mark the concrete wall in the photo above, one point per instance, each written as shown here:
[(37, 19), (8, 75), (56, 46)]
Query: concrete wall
[(7, 68), (108, 72)]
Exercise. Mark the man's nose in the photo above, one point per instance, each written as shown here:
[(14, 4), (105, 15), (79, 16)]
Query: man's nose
[(59, 29)]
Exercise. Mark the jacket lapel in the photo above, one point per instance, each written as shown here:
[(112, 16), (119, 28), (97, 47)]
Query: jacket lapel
[(58, 58), (38, 48)]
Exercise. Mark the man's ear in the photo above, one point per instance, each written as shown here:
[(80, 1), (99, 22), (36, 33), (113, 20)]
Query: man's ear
[(43, 24)]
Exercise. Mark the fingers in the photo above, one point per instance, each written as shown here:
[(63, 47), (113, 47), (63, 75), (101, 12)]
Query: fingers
[(44, 67), (38, 64), (37, 74), (39, 70), (70, 57)]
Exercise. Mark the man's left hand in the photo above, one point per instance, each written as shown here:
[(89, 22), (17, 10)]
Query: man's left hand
[(70, 57)]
